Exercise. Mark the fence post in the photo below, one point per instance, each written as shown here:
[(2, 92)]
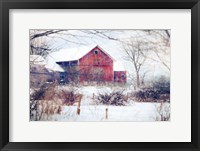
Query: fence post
[(106, 113), (93, 96), (78, 111), (79, 105)]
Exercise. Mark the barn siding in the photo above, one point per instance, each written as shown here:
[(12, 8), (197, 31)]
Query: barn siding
[(96, 66), (71, 73), (120, 76)]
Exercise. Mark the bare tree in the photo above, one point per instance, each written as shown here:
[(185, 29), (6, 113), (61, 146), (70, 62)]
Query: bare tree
[(135, 50), (143, 75), (39, 42), (41, 33), (42, 41), (160, 46)]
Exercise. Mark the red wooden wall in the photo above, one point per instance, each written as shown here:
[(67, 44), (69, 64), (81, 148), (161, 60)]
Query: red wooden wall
[(96, 66), (120, 76)]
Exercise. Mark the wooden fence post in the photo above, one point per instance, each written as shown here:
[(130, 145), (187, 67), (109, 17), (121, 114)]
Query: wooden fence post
[(93, 96), (78, 111), (106, 113), (79, 105)]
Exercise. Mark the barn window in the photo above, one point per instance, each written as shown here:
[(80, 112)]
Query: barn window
[(123, 76), (96, 52)]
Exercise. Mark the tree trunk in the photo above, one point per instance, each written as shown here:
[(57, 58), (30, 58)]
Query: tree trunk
[(138, 79)]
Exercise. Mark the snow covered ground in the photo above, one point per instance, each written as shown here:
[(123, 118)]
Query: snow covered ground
[(138, 112), (90, 111)]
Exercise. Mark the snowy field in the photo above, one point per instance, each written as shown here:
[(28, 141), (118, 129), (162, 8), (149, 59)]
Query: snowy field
[(143, 112), (91, 112)]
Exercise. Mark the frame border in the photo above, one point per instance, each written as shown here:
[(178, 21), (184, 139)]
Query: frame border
[(5, 5)]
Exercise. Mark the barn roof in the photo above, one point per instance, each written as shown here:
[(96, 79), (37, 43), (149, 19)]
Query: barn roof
[(54, 67), (72, 54), (39, 60)]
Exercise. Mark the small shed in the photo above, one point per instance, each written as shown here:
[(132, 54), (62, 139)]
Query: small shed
[(41, 71), (119, 73)]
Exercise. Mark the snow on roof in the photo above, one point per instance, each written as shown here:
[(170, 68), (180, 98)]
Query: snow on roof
[(118, 66), (54, 67), (39, 60), (74, 53)]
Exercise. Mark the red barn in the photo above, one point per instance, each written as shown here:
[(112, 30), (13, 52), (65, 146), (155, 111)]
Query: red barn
[(88, 65), (96, 65)]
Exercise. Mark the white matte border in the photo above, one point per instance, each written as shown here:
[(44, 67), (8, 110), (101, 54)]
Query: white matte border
[(177, 130)]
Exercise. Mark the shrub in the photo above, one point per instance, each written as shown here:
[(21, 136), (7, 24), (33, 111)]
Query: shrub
[(114, 98), (162, 85), (158, 91), (48, 100), (149, 95), (38, 94), (69, 97), (163, 111)]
